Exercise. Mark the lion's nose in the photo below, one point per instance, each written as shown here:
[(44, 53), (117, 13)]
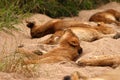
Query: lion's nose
[(80, 50)]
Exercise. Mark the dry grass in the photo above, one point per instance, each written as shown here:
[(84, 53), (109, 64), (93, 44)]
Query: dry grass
[(15, 63)]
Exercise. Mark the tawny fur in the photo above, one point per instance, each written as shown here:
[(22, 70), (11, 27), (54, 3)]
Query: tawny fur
[(110, 75), (75, 76), (94, 32), (51, 27), (101, 60), (85, 33), (107, 16), (68, 50), (54, 39)]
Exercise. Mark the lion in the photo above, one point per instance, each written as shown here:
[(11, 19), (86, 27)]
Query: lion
[(68, 49), (109, 75), (94, 32), (86, 33), (101, 60), (74, 76), (107, 16), (54, 39), (51, 27)]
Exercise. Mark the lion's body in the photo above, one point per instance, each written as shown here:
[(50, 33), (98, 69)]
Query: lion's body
[(107, 16), (68, 49)]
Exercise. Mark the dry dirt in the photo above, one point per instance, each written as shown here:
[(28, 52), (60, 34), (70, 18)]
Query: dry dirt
[(11, 39)]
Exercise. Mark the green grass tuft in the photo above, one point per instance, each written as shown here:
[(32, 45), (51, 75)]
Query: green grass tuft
[(13, 11)]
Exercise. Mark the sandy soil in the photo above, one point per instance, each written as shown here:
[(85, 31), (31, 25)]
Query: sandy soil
[(11, 39)]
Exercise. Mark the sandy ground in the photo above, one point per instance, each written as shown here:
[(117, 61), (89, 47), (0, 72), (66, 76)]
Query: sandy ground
[(11, 39)]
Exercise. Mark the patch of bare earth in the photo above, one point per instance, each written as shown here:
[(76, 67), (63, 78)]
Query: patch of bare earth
[(10, 40)]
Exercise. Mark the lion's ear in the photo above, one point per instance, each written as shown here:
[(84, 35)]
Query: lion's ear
[(30, 24), (73, 43)]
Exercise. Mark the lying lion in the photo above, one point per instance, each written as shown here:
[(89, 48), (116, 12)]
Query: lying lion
[(51, 27), (107, 16), (86, 33), (110, 75), (83, 31), (101, 60), (68, 49)]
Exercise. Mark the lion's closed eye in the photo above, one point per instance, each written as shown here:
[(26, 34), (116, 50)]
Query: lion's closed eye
[(73, 43)]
